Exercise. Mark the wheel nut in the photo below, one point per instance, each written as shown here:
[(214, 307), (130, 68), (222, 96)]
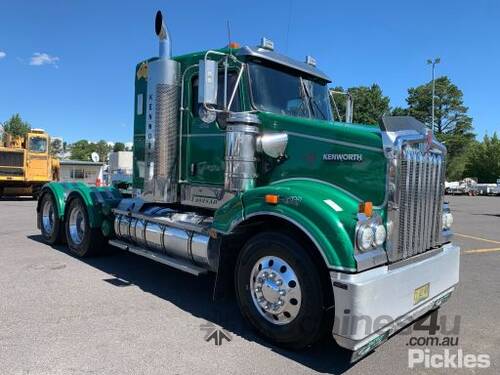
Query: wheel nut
[(279, 282), (281, 303), (282, 292), (258, 289), (272, 275)]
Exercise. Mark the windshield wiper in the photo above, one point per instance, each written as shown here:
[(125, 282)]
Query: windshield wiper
[(305, 97), (313, 101)]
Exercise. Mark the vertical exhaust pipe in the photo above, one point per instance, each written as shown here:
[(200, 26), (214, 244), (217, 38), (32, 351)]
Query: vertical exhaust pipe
[(164, 37), (162, 109)]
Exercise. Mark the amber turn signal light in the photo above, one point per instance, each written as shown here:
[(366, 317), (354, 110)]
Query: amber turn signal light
[(271, 198), (366, 208)]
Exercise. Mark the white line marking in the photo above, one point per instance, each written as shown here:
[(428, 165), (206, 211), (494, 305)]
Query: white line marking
[(333, 205)]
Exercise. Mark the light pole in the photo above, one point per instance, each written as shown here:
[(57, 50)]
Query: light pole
[(437, 60)]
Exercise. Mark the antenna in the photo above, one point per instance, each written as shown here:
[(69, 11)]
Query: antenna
[(288, 26), (228, 33), (95, 157)]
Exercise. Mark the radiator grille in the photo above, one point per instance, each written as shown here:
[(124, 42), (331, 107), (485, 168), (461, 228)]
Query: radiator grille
[(11, 159), (421, 184), (15, 172)]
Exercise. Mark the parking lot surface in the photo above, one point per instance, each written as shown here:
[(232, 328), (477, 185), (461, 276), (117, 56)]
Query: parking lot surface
[(123, 314)]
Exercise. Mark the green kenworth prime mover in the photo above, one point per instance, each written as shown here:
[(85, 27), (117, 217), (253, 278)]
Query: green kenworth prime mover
[(240, 170)]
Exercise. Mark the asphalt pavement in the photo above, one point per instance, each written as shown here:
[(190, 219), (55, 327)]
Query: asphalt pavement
[(123, 314)]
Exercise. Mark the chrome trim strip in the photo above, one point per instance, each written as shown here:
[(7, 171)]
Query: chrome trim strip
[(324, 183), (341, 143), (204, 135)]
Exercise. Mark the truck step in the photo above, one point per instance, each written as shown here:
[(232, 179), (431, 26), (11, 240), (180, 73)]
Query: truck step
[(179, 264)]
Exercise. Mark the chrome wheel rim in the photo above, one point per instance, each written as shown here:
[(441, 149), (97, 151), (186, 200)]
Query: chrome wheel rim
[(275, 290), (76, 225), (48, 217)]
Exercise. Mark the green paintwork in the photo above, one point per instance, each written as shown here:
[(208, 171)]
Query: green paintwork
[(99, 200), (141, 88), (303, 181), (303, 203), (310, 139)]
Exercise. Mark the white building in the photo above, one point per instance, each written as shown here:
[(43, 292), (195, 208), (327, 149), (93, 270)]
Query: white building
[(120, 167), (81, 171)]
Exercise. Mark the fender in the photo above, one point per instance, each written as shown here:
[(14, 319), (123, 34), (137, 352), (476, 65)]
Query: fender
[(98, 200), (326, 213)]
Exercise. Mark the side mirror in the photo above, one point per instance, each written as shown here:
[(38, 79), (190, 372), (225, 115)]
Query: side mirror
[(207, 82)]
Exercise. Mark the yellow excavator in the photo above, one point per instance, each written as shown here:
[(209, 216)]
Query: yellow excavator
[(26, 163)]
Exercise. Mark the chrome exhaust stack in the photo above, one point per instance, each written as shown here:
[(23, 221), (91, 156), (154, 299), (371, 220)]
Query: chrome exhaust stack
[(164, 37), (162, 121)]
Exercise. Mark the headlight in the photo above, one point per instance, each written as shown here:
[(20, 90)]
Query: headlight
[(447, 220), (365, 237), (380, 235)]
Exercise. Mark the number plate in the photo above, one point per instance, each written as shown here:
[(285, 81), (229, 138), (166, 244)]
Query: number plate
[(421, 293)]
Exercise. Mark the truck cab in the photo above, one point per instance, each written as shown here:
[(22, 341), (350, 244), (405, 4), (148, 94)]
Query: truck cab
[(239, 169), (26, 164)]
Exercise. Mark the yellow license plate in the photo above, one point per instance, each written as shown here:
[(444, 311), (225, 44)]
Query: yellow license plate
[(421, 293)]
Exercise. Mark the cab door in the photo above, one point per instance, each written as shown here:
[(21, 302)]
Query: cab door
[(204, 142), (37, 163)]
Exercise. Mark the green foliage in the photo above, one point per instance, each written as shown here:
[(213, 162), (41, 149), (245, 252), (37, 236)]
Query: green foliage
[(16, 127), (453, 126), (450, 112), (369, 104), (399, 111), (119, 146), (483, 160), (56, 147), (83, 149)]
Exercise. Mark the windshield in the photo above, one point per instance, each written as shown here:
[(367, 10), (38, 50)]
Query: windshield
[(288, 94), (38, 144)]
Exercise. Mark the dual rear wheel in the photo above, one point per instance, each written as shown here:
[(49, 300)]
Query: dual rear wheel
[(82, 240)]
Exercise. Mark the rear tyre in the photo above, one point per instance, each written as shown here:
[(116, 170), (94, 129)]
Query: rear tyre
[(279, 290), (82, 240), (49, 222)]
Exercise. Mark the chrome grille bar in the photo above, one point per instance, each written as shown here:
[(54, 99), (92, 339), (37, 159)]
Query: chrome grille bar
[(421, 181)]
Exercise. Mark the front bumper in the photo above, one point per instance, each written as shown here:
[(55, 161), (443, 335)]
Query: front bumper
[(372, 305)]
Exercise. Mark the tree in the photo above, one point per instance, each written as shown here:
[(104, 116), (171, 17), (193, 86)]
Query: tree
[(56, 146), (16, 127), (119, 146), (369, 103), (103, 149), (453, 126), (80, 150), (483, 160), (83, 149)]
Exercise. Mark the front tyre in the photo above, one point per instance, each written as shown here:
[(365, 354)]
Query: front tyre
[(83, 240), (279, 290)]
